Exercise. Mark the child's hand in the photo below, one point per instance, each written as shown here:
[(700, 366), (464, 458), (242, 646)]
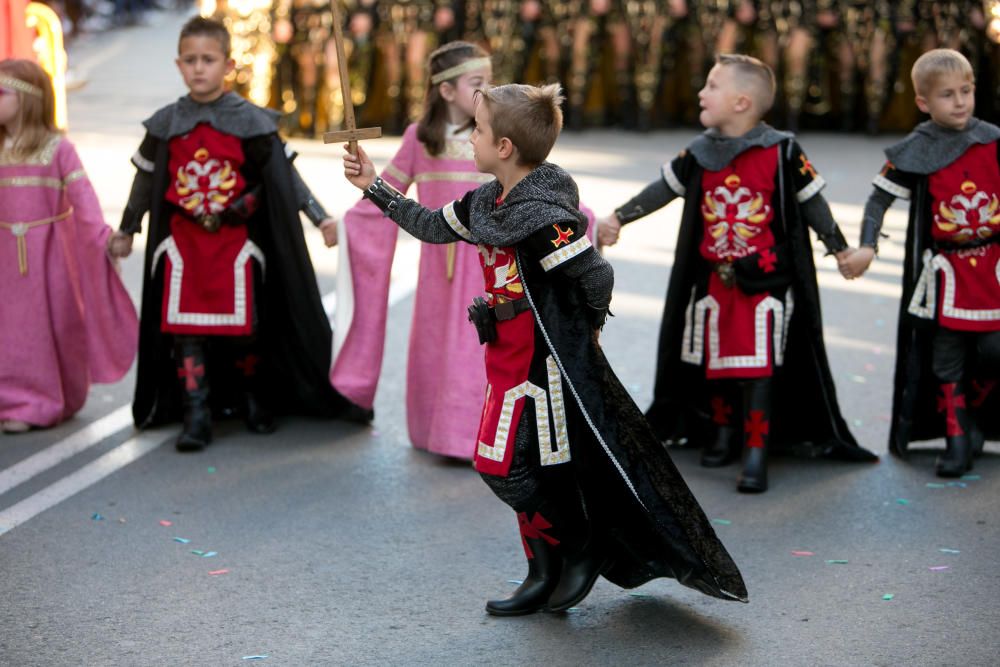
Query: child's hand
[(120, 245), (329, 230), (856, 262), (608, 229), (358, 169)]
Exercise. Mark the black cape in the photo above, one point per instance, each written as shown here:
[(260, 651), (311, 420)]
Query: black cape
[(651, 523), (294, 338), (915, 414), (806, 417)]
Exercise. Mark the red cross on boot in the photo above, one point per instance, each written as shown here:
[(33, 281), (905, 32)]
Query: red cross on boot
[(721, 451), (544, 566), (197, 432), (957, 458)]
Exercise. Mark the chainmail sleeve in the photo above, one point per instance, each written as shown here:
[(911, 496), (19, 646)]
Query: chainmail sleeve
[(596, 279), (654, 196), (445, 225), (871, 226), (818, 215)]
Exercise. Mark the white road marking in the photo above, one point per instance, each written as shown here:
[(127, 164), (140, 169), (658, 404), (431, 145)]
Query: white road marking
[(87, 437), (90, 474)]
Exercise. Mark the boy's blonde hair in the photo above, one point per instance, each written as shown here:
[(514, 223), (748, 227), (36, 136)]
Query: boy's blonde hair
[(935, 63), (530, 116), (755, 74)]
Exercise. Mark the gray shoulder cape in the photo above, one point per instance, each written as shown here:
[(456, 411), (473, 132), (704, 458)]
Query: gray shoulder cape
[(931, 147), (713, 151), (546, 196), (230, 114)]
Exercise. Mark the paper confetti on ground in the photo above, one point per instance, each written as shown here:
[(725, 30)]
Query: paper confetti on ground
[(888, 596), (209, 554), (837, 561), (722, 522), (515, 581), (255, 657), (640, 595), (210, 470), (182, 540), (960, 485), (97, 517), (803, 553), (166, 523), (935, 485), (860, 379), (971, 478), (197, 553), (949, 551), (939, 568), (217, 572), (902, 501)]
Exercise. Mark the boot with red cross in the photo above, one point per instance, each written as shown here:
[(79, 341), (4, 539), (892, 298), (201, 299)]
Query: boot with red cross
[(756, 430), (543, 551), (957, 459), (980, 391), (256, 414), (189, 354), (720, 451)]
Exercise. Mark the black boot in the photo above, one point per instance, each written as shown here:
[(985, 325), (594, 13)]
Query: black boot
[(756, 428), (957, 459), (579, 574), (190, 357), (981, 390), (721, 451), (544, 564), (257, 416)]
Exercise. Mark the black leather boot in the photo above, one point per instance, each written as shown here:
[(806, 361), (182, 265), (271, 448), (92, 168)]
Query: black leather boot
[(981, 390), (957, 459), (720, 451), (579, 574), (544, 563), (256, 414), (756, 427), (190, 357)]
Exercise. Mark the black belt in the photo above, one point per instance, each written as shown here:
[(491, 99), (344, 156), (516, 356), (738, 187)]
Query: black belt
[(975, 243), (508, 310)]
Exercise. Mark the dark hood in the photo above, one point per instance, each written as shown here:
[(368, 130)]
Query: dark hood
[(230, 114), (931, 147)]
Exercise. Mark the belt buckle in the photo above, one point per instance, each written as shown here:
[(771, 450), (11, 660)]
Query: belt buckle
[(210, 223), (726, 273), (504, 310)]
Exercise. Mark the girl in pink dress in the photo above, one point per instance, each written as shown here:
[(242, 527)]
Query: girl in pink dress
[(65, 317), (445, 362)]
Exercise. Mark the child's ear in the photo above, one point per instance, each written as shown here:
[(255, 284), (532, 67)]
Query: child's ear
[(505, 148), (447, 91), (743, 103), (922, 103), (230, 66)]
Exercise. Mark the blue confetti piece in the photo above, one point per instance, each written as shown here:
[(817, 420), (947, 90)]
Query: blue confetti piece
[(959, 485), (256, 657), (949, 551), (197, 553), (182, 540), (722, 522), (640, 595), (935, 485), (902, 501), (209, 554), (880, 323), (97, 517), (971, 477), (515, 581), (888, 596), (211, 471)]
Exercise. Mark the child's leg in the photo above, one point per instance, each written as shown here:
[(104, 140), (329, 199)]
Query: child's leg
[(721, 450), (983, 383), (257, 415), (189, 355), (950, 352), (756, 430)]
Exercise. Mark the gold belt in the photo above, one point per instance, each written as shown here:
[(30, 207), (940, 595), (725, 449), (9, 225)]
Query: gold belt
[(20, 229)]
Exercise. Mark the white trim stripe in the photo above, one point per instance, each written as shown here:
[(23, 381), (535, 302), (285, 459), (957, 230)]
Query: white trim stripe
[(808, 192), (693, 340), (671, 178), (923, 304), (564, 254), (142, 163), (456, 225), (896, 190)]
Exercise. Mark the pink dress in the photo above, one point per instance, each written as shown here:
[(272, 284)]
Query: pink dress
[(445, 376), (65, 317)]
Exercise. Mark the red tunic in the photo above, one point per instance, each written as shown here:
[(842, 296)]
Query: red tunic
[(966, 209), (508, 360), (737, 214), (208, 277)]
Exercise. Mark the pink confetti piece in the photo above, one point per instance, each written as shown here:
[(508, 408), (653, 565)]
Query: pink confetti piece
[(803, 553), (218, 572), (939, 568), (869, 367), (166, 524)]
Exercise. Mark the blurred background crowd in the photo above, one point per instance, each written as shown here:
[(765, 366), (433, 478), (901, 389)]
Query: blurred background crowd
[(634, 64)]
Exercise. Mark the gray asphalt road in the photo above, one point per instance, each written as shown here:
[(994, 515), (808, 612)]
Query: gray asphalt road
[(340, 545)]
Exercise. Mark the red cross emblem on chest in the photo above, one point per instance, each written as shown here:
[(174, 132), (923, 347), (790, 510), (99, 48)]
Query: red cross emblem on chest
[(562, 235), (806, 167), (191, 373)]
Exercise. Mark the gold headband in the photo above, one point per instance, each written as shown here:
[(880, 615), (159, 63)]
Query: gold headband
[(461, 68), (18, 84)]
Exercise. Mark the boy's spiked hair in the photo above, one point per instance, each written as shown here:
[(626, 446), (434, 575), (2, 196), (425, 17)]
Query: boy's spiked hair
[(530, 116), (936, 62), (199, 26), (757, 74)]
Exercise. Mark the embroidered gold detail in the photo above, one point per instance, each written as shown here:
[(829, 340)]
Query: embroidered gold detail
[(20, 230), (468, 66), (42, 157), (31, 182), (564, 254), (453, 177), (20, 85), (398, 175)]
